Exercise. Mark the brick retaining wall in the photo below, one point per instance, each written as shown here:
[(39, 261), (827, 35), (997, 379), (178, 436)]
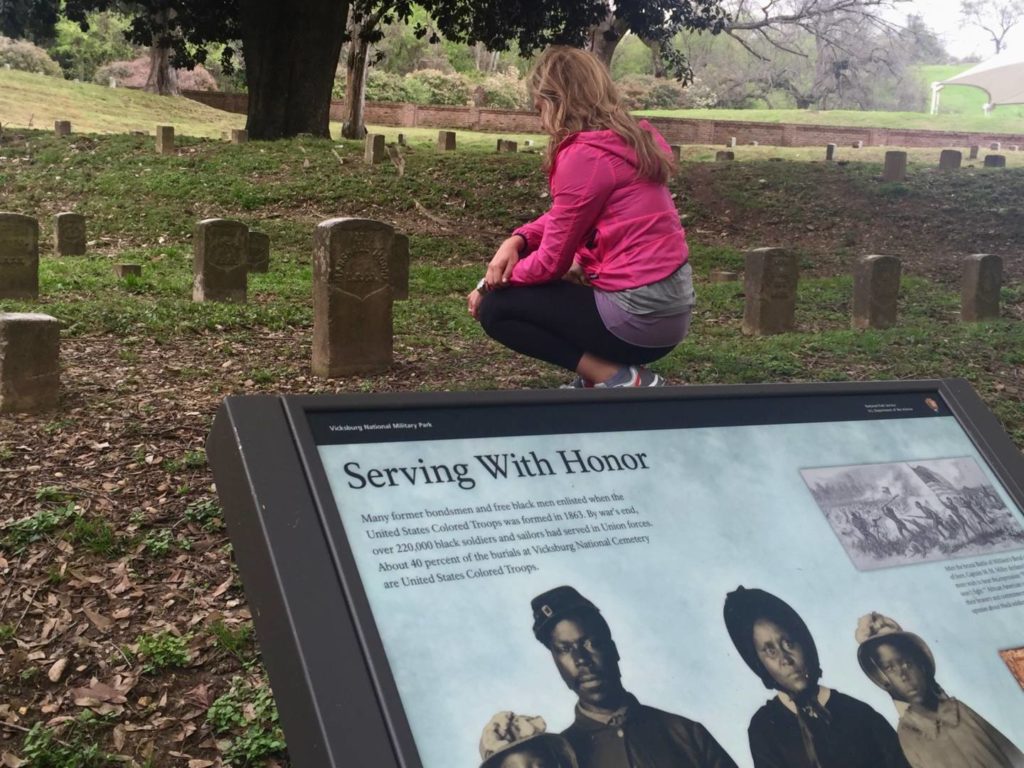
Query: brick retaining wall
[(676, 130)]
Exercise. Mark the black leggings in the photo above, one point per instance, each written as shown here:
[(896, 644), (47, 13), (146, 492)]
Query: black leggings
[(557, 322)]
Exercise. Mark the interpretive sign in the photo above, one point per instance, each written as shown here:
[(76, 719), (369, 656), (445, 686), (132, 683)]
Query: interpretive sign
[(702, 576)]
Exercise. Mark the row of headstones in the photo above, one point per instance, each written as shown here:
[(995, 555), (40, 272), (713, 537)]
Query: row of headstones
[(164, 135), (376, 147), (360, 267), (895, 160), (19, 252), (772, 274)]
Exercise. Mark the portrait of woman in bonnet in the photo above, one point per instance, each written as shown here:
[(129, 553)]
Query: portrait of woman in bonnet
[(806, 725), (519, 741), (935, 729)]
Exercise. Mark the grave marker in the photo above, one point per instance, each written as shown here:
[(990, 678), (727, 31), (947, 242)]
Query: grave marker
[(979, 293), (221, 261), (830, 153), (770, 282), (128, 270), (19, 257), (352, 297), (975, 149), (446, 141), (29, 362), (950, 160), (69, 234), (165, 139), (239, 136), (724, 157), (259, 252), (895, 166), (995, 161), (398, 267), (876, 290), (62, 128), (376, 150)]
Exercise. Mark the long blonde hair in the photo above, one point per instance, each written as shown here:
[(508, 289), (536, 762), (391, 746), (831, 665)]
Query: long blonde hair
[(580, 96)]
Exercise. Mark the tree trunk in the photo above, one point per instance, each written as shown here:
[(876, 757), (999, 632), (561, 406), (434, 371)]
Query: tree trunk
[(356, 70), (162, 78), (291, 54), (605, 37)]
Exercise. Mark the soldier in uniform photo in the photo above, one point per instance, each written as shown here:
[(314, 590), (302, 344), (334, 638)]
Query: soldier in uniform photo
[(612, 729), (519, 741), (806, 725), (935, 730)]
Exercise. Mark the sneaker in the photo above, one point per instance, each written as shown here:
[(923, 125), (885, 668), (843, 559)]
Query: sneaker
[(578, 382), (632, 376)]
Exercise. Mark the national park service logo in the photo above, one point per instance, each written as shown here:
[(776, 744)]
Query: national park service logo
[(224, 249), (18, 245)]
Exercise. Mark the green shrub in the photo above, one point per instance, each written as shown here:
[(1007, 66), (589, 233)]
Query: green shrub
[(80, 53), (649, 92), (504, 91), (26, 57), (443, 89), (163, 650)]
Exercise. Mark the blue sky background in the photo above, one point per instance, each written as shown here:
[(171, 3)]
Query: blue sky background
[(729, 507)]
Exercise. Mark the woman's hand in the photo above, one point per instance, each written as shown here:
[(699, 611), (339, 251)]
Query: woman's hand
[(473, 303), (576, 275), (499, 270)]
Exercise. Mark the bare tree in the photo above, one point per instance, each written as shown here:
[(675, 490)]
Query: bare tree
[(996, 17)]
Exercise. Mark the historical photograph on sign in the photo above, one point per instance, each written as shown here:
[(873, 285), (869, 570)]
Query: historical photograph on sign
[(676, 597), (1014, 658), (913, 512)]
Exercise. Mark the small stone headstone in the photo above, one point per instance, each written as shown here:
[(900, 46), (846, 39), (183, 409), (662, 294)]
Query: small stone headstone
[(402, 141), (975, 149), (858, 145), (731, 143), (62, 128), (724, 276), (724, 157), (1014, 148), (830, 153), (29, 362), (677, 152), (528, 142), (755, 144), (446, 141), (19, 257), (950, 159), (352, 298), (895, 166), (995, 146), (128, 270), (507, 145), (982, 282), (259, 252), (376, 149), (995, 161), (239, 136), (221, 261), (165, 139), (770, 281), (69, 234), (876, 290), (398, 267)]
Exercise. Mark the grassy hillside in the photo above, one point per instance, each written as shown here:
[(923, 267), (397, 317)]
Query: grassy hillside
[(29, 100)]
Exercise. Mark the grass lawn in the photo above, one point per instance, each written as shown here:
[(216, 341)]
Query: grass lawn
[(108, 520), (30, 100)]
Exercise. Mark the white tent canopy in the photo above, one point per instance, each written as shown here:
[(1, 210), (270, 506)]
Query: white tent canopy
[(1001, 77)]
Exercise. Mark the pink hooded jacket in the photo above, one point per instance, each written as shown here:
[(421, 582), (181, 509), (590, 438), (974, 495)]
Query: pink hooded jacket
[(624, 231)]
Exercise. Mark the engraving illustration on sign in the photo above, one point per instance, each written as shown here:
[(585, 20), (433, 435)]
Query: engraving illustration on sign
[(224, 250)]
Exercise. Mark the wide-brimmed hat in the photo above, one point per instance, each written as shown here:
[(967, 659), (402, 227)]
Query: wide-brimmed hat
[(744, 607), (508, 731), (552, 606), (873, 628)]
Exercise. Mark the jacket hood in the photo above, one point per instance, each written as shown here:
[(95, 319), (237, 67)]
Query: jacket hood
[(611, 142)]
